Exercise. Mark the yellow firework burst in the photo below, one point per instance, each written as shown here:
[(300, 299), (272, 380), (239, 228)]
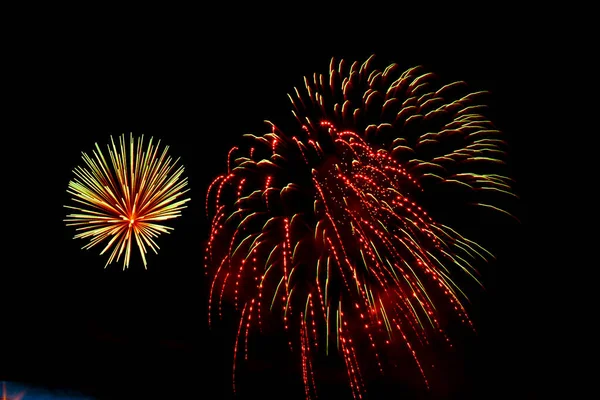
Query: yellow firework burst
[(126, 197)]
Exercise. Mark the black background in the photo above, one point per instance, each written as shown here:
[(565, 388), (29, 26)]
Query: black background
[(198, 82)]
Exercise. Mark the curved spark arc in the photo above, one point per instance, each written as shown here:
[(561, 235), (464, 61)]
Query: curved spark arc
[(125, 199), (337, 207)]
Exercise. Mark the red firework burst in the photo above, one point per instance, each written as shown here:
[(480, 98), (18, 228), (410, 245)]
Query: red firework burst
[(331, 223)]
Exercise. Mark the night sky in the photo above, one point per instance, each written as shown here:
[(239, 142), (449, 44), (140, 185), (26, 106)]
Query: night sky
[(66, 322)]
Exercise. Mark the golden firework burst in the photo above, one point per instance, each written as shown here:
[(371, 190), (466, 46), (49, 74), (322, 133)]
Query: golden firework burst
[(126, 197)]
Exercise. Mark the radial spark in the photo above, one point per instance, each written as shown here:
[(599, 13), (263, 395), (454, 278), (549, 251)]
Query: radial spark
[(123, 200)]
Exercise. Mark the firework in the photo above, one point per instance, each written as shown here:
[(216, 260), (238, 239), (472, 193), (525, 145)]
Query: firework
[(332, 224), (18, 396), (126, 197)]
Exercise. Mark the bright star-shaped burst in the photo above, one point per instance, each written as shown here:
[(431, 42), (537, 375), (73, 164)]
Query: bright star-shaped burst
[(123, 199)]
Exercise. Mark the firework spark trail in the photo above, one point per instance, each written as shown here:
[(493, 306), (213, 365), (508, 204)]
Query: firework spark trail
[(126, 197), (18, 396), (341, 212)]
